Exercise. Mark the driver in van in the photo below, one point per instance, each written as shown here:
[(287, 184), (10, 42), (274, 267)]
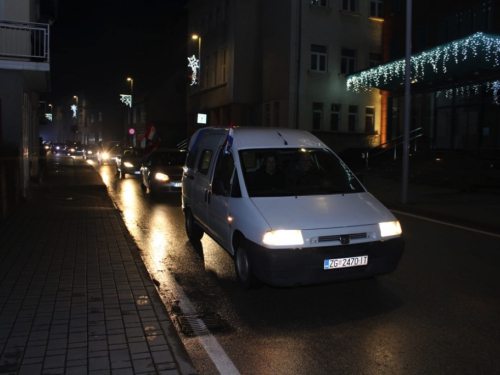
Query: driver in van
[(270, 177), (307, 171)]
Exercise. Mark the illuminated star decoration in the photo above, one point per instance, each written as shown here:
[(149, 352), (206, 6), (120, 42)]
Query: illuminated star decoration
[(194, 64), (437, 60), (127, 99), (74, 108), (48, 116)]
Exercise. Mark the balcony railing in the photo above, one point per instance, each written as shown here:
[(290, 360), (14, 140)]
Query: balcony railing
[(24, 40)]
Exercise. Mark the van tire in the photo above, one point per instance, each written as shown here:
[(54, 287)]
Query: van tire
[(244, 270), (193, 231)]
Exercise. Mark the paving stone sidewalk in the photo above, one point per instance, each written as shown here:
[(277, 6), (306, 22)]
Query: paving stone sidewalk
[(75, 297)]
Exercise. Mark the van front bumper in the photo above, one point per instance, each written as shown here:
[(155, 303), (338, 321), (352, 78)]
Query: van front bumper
[(304, 266)]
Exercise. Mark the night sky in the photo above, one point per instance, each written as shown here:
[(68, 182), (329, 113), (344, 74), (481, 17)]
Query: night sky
[(97, 44)]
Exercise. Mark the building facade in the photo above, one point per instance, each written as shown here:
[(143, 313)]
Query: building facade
[(285, 63), (455, 73), (24, 74)]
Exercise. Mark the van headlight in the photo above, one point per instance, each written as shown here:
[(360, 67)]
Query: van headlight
[(390, 228), (128, 165), (161, 177), (283, 238)]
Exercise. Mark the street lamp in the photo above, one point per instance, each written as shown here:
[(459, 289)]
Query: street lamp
[(131, 80), (197, 37)]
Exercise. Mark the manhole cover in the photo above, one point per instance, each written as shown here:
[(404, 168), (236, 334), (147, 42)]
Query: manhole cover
[(200, 324)]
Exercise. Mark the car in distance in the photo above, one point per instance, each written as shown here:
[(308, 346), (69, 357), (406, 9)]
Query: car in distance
[(90, 152), (74, 149), (109, 156), (162, 172), (129, 161), (58, 148)]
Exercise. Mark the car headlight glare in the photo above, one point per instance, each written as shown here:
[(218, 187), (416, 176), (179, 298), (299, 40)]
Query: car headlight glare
[(128, 165), (390, 228), (161, 177), (283, 238), (105, 156)]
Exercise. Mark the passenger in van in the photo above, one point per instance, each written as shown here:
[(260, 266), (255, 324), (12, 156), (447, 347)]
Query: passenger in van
[(307, 174), (269, 177)]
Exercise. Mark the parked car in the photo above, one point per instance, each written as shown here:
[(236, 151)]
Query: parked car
[(162, 173), (74, 149), (109, 156), (319, 226), (129, 161), (90, 152), (58, 148)]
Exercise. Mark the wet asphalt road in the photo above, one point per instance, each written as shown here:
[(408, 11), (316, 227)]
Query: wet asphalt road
[(436, 314)]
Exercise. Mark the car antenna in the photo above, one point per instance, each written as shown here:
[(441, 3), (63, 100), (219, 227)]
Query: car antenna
[(286, 143)]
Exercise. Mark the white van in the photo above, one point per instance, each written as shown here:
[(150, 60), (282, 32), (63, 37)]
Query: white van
[(305, 220)]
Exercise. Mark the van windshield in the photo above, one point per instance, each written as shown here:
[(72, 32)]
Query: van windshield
[(293, 172)]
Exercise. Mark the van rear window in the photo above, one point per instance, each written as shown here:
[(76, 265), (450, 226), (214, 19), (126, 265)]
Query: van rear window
[(293, 172)]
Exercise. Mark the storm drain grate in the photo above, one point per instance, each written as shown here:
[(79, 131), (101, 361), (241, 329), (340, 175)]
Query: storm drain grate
[(201, 324)]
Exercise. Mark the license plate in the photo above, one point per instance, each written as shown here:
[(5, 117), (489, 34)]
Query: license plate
[(330, 264), (137, 172), (177, 184)]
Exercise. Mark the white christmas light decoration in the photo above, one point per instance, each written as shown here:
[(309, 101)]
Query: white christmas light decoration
[(48, 116), (194, 64), (74, 108), (439, 59), (127, 99)]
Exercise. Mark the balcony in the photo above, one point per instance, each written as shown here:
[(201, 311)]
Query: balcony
[(26, 46)]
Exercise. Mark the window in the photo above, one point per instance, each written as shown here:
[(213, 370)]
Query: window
[(91, 117), (350, 5), (100, 116), (347, 61), (317, 116), (353, 118), (335, 117), (318, 58), (204, 163), (320, 3), (276, 114), (375, 59), (370, 120), (377, 8)]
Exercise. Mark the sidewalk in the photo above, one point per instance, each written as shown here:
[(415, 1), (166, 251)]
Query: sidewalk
[(75, 296)]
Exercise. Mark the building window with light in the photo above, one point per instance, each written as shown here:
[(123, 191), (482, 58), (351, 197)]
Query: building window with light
[(350, 5), (353, 118), (377, 8), (318, 58), (319, 3), (370, 120), (317, 116), (375, 59), (347, 61), (335, 117)]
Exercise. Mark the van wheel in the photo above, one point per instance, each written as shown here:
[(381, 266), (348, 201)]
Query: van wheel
[(244, 270), (193, 231)]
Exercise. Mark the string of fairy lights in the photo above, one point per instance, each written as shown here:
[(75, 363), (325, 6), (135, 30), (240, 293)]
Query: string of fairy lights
[(439, 60)]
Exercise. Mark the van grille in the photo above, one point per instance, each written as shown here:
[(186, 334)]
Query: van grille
[(352, 236)]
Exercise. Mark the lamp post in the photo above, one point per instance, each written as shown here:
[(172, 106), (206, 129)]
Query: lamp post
[(75, 136), (131, 80), (197, 37)]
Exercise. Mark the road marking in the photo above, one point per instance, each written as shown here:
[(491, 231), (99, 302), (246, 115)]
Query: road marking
[(209, 343), (449, 224)]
